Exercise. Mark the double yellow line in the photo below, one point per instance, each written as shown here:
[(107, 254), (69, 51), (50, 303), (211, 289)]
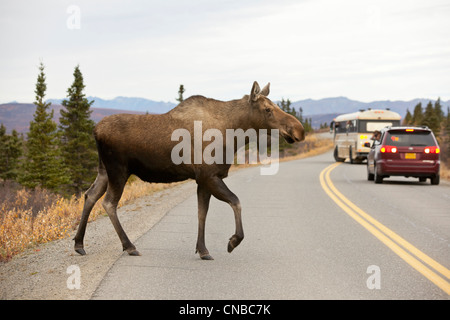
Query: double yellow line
[(432, 270)]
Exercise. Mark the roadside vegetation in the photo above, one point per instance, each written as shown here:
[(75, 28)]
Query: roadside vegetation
[(434, 118), (34, 216)]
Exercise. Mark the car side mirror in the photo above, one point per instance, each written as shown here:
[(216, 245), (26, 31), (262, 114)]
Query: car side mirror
[(367, 144)]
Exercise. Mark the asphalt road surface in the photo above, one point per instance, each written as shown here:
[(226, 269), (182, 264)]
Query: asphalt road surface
[(314, 230)]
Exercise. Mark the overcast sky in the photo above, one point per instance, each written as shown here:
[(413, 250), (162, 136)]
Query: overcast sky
[(364, 50)]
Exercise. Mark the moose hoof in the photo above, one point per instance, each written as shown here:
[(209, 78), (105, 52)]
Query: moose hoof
[(133, 252), (206, 257), (233, 243), (230, 247), (80, 251)]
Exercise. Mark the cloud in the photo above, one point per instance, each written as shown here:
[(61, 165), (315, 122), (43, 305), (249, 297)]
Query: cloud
[(306, 49)]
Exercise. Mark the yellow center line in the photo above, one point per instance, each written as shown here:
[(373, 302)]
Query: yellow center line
[(385, 235)]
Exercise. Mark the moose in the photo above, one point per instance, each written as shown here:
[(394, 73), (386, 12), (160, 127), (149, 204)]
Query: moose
[(141, 145)]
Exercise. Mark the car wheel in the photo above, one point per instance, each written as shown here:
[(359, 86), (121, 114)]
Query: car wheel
[(336, 155), (378, 178), (435, 179), (370, 176)]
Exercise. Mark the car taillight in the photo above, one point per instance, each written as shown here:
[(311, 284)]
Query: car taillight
[(432, 150), (388, 149)]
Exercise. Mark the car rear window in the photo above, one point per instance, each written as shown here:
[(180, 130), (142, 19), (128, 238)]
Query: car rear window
[(403, 138)]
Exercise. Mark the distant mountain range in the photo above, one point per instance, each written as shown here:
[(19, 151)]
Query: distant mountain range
[(18, 115), (127, 103)]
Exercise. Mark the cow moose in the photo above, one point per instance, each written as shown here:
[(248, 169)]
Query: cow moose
[(142, 145)]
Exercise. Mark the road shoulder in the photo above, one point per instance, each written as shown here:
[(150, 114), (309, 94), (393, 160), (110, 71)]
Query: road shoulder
[(43, 272)]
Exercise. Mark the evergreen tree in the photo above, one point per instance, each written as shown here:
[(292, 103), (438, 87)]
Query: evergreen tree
[(13, 152), (288, 107), (10, 152), (77, 140), (180, 94), (43, 164), (446, 137), (417, 117), (285, 105), (447, 123), (431, 120), (300, 115), (438, 110), (408, 118)]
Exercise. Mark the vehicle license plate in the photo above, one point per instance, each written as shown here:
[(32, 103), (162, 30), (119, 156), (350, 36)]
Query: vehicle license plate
[(410, 156)]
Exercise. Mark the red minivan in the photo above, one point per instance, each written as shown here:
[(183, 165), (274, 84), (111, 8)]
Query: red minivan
[(404, 151)]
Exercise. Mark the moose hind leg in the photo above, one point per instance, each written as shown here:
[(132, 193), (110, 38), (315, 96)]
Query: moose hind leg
[(203, 198), (95, 192), (110, 205)]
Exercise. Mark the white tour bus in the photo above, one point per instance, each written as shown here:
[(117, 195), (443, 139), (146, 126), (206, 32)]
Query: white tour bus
[(352, 130)]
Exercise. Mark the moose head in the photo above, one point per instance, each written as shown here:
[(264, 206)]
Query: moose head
[(267, 115)]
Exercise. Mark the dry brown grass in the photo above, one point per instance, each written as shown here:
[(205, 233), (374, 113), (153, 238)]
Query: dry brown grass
[(312, 146), (21, 228), (445, 172)]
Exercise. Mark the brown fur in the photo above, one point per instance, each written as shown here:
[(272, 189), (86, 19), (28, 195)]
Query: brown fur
[(141, 145)]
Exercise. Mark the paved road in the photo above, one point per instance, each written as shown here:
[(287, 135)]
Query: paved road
[(299, 242)]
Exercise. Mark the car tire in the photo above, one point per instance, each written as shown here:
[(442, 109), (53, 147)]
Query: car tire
[(335, 154), (370, 176), (377, 178), (435, 179)]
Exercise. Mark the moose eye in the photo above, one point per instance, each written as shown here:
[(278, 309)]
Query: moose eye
[(267, 109)]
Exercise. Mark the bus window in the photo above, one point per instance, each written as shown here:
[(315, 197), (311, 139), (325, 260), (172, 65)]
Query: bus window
[(371, 126), (352, 126)]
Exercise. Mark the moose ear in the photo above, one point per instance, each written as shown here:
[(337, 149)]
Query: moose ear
[(255, 92), (265, 91)]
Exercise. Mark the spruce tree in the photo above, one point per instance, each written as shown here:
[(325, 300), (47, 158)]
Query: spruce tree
[(439, 113), (446, 138), (43, 164), (417, 117), (10, 152), (408, 118), (77, 140), (447, 123), (180, 94), (430, 119)]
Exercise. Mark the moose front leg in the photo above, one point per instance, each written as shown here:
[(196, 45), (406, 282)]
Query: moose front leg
[(219, 190)]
